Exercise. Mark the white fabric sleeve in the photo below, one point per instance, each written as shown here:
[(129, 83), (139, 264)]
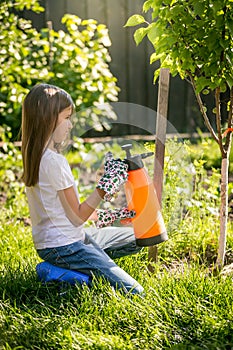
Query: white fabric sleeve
[(59, 173)]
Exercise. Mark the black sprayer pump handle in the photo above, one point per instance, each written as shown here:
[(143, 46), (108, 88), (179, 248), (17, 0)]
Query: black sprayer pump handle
[(127, 149), (134, 161)]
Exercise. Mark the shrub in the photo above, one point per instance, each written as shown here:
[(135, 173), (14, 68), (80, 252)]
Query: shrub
[(76, 59)]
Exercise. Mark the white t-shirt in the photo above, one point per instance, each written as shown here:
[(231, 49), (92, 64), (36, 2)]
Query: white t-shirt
[(50, 225)]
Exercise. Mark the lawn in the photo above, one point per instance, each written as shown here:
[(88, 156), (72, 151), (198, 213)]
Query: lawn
[(186, 304)]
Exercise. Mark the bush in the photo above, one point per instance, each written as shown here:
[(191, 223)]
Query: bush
[(207, 150), (76, 60), (19, 64), (11, 186)]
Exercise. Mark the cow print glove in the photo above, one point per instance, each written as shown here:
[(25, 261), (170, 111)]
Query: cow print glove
[(115, 174), (106, 217)]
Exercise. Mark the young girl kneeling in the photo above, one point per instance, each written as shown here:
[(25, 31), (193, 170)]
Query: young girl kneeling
[(56, 213)]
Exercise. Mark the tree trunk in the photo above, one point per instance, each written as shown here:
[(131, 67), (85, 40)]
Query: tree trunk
[(161, 127), (223, 211), (225, 151)]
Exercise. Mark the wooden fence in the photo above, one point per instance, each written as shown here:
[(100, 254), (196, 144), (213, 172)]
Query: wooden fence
[(130, 64)]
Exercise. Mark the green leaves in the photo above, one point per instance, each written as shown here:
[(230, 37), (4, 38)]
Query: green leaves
[(139, 35), (147, 5), (196, 37), (134, 20), (23, 4), (75, 59), (80, 54)]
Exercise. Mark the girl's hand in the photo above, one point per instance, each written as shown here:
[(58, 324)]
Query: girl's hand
[(94, 216), (106, 217), (115, 174)]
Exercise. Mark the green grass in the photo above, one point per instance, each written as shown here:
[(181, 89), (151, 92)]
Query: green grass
[(185, 306)]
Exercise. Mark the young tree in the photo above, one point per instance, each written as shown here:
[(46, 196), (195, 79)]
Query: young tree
[(195, 40)]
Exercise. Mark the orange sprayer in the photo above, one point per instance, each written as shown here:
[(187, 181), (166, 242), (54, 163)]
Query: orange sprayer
[(148, 224)]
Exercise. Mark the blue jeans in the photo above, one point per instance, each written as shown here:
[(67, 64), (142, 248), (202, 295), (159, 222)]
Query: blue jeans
[(94, 256)]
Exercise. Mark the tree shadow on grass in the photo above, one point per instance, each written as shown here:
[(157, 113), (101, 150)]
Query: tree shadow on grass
[(31, 312), (39, 316), (221, 342), (22, 288)]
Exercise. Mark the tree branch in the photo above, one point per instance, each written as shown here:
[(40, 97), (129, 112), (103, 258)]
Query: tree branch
[(230, 122), (206, 119), (218, 120)]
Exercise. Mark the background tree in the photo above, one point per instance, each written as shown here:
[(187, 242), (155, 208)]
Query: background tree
[(194, 39), (76, 59), (19, 64)]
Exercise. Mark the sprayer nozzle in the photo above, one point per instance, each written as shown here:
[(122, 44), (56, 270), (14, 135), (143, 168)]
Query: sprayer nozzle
[(145, 155)]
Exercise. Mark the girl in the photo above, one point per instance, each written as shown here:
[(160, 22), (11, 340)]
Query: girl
[(56, 213)]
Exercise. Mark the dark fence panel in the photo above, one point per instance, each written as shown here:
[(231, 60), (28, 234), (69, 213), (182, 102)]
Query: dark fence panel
[(130, 64)]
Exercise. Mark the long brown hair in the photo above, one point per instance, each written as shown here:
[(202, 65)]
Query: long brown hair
[(41, 108)]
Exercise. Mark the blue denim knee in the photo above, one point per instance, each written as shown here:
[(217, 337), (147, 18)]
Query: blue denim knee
[(91, 260)]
